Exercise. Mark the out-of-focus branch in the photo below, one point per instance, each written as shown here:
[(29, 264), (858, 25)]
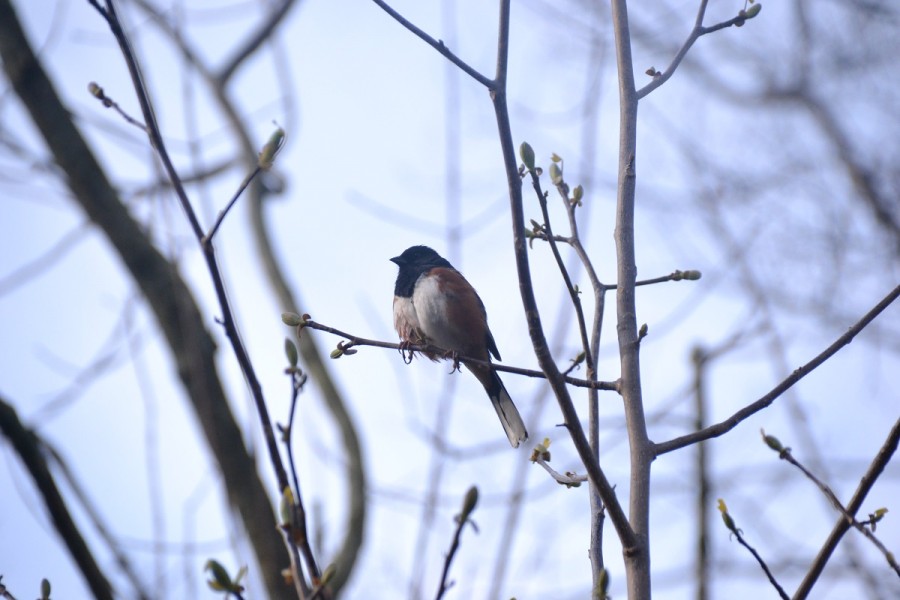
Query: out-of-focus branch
[(28, 448), (309, 352), (166, 292), (801, 372), (257, 38), (123, 562)]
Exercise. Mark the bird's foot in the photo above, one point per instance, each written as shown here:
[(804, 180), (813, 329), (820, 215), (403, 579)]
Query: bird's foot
[(454, 356), (406, 351)]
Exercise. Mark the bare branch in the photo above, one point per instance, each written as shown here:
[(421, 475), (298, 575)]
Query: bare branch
[(437, 45), (27, 446), (568, 480), (262, 33), (554, 248), (736, 531), (785, 454), (355, 340), (469, 503), (801, 372), (696, 33), (882, 458)]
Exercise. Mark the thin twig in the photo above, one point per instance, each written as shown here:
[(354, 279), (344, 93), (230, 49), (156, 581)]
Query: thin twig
[(469, 503), (263, 32), (354, 340), (98, 93), (298, 520), (207, 239), (567, 479), (882, 458), (785, 454), (736, 531), (696, 33), (762, 564), (801, 372), (554, 248), (227, 318), (437, 45)]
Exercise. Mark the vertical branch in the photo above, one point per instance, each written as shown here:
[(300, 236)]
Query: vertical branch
[(453, 233), (699, 358), (637, 562), (526, 289)]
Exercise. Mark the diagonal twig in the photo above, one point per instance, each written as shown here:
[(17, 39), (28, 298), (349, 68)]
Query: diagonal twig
[(801, 372)]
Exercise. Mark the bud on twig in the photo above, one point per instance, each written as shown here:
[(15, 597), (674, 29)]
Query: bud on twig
[(526, 153), (267, 154), (291, 319), (290, 351)]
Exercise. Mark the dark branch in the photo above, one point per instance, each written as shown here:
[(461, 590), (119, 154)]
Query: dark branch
[(355, 340), (842, 526), (437, 45), (762, 563), (28, 447), (696, 33)]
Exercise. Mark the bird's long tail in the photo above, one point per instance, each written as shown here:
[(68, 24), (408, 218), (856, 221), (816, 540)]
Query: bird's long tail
[(506, 410)]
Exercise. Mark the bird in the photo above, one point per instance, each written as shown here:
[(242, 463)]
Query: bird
[(435, 305)]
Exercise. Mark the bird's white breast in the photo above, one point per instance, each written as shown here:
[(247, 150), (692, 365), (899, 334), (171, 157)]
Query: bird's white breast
[(430, 305), (405, 320)]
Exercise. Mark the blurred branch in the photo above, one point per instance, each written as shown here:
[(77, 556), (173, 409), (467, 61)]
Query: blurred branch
[(166, 292), (123, 562), (801, 372), (205, 241), (40, 265), (883, 208), (28, 447), (310, 354), (257, 38), (700, 359), (882, 458)]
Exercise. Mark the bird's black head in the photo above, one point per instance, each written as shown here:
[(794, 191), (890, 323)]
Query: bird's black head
[(414, 261)]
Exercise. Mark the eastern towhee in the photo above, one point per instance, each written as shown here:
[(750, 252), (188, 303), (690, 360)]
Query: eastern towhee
[(435, 305)]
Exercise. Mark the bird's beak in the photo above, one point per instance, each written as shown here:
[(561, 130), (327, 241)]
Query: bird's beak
[(397, 260)]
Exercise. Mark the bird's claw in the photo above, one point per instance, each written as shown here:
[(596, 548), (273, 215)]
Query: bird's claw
[(406, 351), (454, 356)]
